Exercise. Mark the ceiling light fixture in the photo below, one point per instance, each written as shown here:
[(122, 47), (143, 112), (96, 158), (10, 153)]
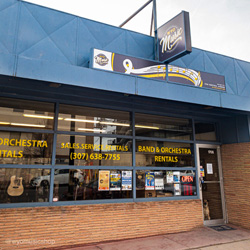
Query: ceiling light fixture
[(149, 127), (27, 125), (93, 130), (80, 120)]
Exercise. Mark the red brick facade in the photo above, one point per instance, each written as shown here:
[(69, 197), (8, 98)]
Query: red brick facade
[(236, 171), (46, 227)]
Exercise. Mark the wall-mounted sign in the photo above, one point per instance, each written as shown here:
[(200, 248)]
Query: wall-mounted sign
[(196, 78), (174, 38), (126, 64)]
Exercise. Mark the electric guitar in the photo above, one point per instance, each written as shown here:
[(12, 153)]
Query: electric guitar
[(16, 186)]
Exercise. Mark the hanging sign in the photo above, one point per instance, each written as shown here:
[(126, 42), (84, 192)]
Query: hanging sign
[(127, 64), (173, 38)]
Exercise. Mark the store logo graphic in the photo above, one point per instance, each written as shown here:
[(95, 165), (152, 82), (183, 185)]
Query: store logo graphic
[(101, 59), (170, 41)]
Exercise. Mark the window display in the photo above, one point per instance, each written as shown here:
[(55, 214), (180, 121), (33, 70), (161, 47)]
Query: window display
[(24, 185), (163, 183), (93, 153), (90, 184)]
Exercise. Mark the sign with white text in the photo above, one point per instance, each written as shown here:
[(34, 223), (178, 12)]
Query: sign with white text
[(196, 78), (174, 39)]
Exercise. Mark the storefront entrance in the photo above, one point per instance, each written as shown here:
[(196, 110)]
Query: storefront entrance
[(211, 184)]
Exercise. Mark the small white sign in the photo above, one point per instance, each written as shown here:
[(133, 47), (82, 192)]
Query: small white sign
[(159, 184), (209, 168)]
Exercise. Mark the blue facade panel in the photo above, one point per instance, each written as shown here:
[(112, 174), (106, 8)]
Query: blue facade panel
[(44, 44), (194, 60), (7, 62), (8, 25), (176, 92), (75, 76)]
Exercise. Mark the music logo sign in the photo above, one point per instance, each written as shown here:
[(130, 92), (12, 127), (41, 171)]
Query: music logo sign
[(174, 38)]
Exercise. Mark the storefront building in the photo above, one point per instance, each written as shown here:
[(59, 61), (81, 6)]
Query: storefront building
[(88, 155)]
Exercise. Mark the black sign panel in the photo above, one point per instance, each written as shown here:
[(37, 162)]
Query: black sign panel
[(174, 38), (196, 78)]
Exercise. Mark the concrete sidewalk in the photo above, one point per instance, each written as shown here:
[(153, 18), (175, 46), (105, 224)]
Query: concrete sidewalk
[(201, 238)]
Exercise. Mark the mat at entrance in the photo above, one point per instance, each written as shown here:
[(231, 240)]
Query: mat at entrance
[(222, 228)]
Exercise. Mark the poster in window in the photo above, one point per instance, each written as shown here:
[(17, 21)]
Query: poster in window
[(126, 180), (176, 176), (150, 181), (103, 183), (170, 177), (177, 189), (115, 180), (159, 184)]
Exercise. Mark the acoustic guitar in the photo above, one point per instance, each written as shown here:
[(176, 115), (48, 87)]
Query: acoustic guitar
[(16, 186)]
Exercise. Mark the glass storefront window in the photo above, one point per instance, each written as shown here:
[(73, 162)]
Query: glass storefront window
[(205, 131), (164, 154), (93, 120), (26, 114), (103, 148), (93, 151), (24, 185), (163, 127), (25, 148), (165, 183), (90, 184)]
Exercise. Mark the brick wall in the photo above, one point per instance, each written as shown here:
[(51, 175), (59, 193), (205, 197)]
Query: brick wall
[(33, 228), (236, 171)]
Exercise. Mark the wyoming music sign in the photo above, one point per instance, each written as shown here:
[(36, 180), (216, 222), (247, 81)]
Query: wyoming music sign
[(152, 69), (174, 39)]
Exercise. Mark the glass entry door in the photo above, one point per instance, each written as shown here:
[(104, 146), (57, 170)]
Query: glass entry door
[(211, 186)]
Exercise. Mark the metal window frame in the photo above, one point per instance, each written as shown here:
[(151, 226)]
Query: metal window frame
[(134, 168), (223, 199)]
